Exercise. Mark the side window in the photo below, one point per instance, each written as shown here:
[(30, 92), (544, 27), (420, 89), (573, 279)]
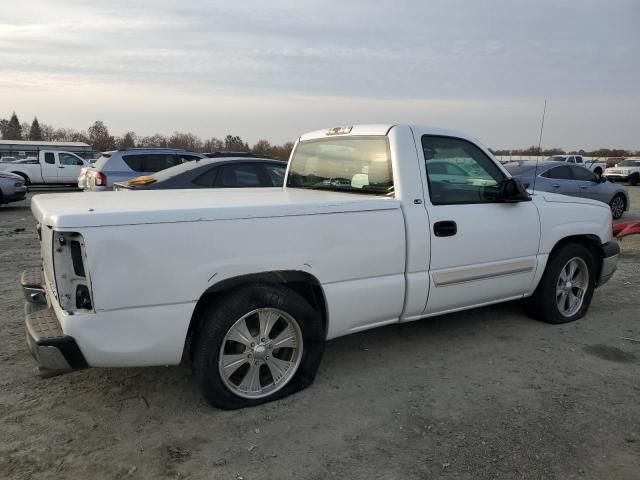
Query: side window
[(276, 174), (49, 158), (134, 162), (578, 159), (237, 176), (207, 179), (571, 160), (459, 172), (188, 158), (67, 159), (158, 162), (562, 172), (581, 173)]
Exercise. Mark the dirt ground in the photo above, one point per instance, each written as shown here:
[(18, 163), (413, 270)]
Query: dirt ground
[(487, 394)]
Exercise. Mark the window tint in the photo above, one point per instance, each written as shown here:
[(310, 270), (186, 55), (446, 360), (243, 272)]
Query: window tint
[(459, 172), (237, 176), (276, 174), (207, 179), (581, 173), (68, 159), (49, 158), (578, 159), (188, 158), (571, 160), (562, 172), (151, 162)]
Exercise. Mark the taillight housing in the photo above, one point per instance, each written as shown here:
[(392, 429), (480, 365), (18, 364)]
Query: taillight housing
[(100, 179), (73, 284)]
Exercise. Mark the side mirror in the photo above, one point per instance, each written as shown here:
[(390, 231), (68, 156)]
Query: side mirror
[(513, 191), (601, 179)]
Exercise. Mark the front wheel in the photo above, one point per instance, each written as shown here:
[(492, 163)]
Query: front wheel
[(635, 178), (261, 343), (617, 205), (566, 288)]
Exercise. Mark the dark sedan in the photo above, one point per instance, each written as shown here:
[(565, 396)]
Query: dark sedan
[(573, 180), (213, 173)]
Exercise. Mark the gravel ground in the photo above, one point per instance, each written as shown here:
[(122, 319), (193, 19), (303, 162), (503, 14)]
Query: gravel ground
[(483, 394)]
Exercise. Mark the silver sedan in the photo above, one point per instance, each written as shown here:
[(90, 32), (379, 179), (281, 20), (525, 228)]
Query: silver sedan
[(574, 180), (12, 188)]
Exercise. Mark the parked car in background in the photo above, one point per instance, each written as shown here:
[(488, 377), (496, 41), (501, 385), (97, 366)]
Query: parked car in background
[(626, 171), (123, 165), (213, 173), (12, 188), (572, 180), (50, 167)]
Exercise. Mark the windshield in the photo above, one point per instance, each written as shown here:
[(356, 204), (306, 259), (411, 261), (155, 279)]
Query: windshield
[(629, 163), (347, 164)]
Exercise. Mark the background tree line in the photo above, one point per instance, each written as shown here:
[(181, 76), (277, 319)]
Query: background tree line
[(98, 136)]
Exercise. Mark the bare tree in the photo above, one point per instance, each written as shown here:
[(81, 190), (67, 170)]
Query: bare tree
[(213, 145), (99, 137), (234, 143), (263, 148), (188, 141), (126, 141)]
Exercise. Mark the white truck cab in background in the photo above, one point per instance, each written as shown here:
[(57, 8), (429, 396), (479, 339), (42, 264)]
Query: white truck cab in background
[(49, 167), (373, 227)]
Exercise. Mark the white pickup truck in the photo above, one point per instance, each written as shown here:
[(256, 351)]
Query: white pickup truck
[(50, 167), (249, 284)]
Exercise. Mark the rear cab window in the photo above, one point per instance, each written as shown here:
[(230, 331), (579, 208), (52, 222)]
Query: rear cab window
[(344, 164)]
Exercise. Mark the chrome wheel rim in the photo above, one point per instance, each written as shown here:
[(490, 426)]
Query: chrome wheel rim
[(571, 287), (260, 353), (617, 207)]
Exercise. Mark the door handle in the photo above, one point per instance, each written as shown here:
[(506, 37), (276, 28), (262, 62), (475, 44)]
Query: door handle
[(555, 185), (445, 228), (60, 166), (583, 187)]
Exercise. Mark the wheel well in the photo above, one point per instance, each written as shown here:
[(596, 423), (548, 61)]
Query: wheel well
[(591, 242), (303, 283), (23, 175)]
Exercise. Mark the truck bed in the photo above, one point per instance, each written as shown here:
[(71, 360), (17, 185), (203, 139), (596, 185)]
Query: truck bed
[(168, 206)]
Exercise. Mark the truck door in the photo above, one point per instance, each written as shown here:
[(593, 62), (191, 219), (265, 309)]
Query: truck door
[(49, 167), (70, 166), (483, 250)]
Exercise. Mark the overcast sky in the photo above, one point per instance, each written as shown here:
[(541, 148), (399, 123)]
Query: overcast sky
[(275, 69)]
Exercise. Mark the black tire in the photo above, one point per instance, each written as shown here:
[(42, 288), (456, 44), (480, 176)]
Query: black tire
[(598, 171), (635, 179), (219, 318), (27, 181), (617, 213), (542, 305)]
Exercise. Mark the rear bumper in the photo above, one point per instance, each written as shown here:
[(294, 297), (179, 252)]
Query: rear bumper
[(610, 252), (55, 353)]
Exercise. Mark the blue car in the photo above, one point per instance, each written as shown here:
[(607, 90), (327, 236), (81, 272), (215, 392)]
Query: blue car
[(573, 180)]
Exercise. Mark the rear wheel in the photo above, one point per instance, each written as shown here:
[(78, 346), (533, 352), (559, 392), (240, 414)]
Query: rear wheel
[(566, 288), (635, 179), (261, 343), (618, 205)]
